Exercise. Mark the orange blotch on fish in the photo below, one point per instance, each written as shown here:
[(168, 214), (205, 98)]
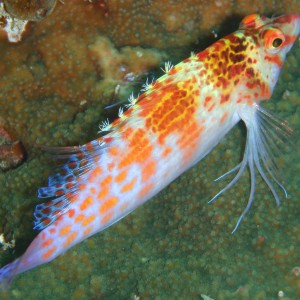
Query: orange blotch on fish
[(79, 218), (113, 151), (124, 206), (188, 142), (70, 239), (107, 217), (103, 192), (222, 82), (95, 173), (145, 190), (290, 39), (250, 21), (52, 230), (196, 93), (250, 72), (194, 130), (88, 230), (207, 100), (71, 212), (88, 220), (47, 243), (224, 117), (108, 204), (211, 107), (148, 170), (121, 176), (49, 253), (224, 98), (110, 166), (235, 82), (274, 59), (108, 139), (93, 190), (202, 73), (249, 102), (81, 186), (43, 235), (129, 186), (106, 181), (87, 202), (65, 230), (166, 152)]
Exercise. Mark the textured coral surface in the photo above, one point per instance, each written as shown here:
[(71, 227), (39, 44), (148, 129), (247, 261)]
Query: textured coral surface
[(54, 85)]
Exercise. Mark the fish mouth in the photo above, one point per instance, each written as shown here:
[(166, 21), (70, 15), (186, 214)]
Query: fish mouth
[(291, 24), (290, 27), (295, 20), (295, 29)]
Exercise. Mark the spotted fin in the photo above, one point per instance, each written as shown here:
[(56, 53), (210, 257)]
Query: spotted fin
[(64, 185)]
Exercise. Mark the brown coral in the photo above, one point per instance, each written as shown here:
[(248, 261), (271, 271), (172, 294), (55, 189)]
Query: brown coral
[(12, 152), (33, 10)]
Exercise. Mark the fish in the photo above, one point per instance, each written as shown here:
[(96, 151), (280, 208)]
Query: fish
[(170, 126)]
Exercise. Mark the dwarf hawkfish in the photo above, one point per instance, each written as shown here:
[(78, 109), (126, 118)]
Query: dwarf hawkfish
[(175, 122)]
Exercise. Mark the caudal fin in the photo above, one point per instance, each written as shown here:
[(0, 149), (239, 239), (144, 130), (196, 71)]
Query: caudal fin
[(7, 273)]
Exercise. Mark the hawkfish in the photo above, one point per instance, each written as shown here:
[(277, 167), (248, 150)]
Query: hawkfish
[(170, 126)]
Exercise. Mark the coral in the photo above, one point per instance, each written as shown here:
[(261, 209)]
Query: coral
[(165, 23), (33, 10), (120, 67), (12, 152), (62, 71), (14, 16), (54, 85), (6, 245), (11, 27)]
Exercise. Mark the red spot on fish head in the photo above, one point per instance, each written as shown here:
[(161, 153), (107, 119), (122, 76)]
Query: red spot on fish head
[(252, 21)]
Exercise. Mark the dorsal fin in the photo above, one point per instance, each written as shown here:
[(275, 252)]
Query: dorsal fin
[(63, 186)]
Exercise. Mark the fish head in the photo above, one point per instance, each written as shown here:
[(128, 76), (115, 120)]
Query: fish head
[(269, 40)]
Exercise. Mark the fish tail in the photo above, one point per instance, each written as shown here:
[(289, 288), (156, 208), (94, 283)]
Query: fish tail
[(7, 274)]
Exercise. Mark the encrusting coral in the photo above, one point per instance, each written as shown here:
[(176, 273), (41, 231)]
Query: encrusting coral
[(33, 10)]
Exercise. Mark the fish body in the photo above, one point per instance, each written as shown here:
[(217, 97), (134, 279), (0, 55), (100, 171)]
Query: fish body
[(173, 124)]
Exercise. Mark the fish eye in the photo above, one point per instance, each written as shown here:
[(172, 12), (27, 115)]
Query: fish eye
[(277, 42), (273, 39)]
